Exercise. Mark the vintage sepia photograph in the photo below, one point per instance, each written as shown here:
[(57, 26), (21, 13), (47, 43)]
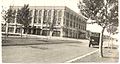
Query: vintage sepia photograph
[(59, 31)]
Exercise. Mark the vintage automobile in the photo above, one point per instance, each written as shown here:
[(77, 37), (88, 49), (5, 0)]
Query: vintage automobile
[(94, 39)]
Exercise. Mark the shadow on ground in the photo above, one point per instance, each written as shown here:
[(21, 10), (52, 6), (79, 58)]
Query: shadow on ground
[(33, 41)]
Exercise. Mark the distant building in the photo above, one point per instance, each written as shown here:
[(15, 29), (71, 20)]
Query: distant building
[(88, 34), (51, 21), (95, 34)]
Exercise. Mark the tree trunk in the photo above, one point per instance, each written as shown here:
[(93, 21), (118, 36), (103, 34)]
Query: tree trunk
[(21, 31), (51, 32), (6, 30), (7, 26), (109, 40), (41, 32), (27, 31), (101, 43)]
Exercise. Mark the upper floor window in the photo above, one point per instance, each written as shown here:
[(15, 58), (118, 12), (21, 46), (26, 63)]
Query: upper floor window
[(60, 13), (67, 14), (40, 12), (3, 28), (70, 23), (70, 16), (55, 12), (74, 17), (45, 16), (45, 12), (10, 29), (35, 16), (67, 22), (49, 13)]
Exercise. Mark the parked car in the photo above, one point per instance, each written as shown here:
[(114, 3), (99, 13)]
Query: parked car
[(94, 39)]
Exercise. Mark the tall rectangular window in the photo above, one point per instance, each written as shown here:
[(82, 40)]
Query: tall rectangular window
[(35, 16), (60, 13), (70, 23), (55, 12), (49, 13), (67, 14), (3, 28), (49, 16), (40, 14), (45, 17), (67, 22)]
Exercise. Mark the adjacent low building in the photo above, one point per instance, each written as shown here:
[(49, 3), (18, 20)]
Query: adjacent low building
[(57, 21)]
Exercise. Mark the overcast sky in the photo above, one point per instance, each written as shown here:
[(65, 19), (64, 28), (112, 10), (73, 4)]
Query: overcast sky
[(72, 4)]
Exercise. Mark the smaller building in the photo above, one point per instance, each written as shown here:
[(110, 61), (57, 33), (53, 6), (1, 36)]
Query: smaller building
[(89, 34)]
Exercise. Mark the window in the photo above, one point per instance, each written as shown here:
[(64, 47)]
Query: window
[(67, 22), (74, 17), (70, 33), (45, 12), (10, 29), (3, 28), (12, 20), (74, 25), (40, 13), (56, 33), (17, 30), (70, 16), (67, 14), (35, 16), (49, 18), (39, 21), (49, 13), (60, 13), (54, 21), (55, 12), (45, 32), (64, 22), (79, 26), (45, 17)]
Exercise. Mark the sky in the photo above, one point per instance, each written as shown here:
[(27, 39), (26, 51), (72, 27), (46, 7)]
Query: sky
[(72, 4)]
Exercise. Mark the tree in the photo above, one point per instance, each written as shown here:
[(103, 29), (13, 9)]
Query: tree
[(108, 17), (90, 8), (111, 30), (103, 12), (9, 17), (24, 17)]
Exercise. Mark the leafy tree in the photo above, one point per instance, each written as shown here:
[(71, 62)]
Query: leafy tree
[(112, 30), (24, 17), (9, 17), (90, 8), (104, 12)]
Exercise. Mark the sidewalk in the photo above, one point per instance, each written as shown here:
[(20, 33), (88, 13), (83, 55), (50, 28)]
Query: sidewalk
[(110, 56)]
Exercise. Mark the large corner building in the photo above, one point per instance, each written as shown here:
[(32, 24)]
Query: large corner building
[(57, 21)]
